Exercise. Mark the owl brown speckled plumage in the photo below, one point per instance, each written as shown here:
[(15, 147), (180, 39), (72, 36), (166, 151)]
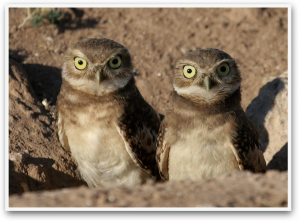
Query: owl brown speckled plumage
[(103, 120), (207, 133)]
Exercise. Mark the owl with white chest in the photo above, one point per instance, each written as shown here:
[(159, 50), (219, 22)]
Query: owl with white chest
[(103, 120), (206, 133)]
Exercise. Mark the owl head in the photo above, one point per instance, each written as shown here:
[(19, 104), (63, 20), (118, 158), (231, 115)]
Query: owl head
[(97, 66), (206, 76)]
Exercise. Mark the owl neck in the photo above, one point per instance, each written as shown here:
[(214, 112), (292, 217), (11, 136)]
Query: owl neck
[(120, 94), (229, 103), (128, 90)]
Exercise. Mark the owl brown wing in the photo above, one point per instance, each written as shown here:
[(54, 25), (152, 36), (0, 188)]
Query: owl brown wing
[(162, 153), (61, 132), (139, 127), (246, 145)]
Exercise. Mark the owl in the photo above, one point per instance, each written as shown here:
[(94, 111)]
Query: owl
[(206, 133), (103, 120)]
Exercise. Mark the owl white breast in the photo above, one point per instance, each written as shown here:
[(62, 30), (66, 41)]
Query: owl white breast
[(207, 132), (103, 120)]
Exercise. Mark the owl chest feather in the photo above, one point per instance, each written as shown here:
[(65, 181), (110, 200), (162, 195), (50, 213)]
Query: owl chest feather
[(98, 147), (202, 151)]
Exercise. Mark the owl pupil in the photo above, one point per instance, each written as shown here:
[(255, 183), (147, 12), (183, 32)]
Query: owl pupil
[(189, 71), (80, 62), (223, 69), (115, 61)]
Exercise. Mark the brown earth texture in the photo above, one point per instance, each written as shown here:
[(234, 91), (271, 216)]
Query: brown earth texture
[(43, 174)]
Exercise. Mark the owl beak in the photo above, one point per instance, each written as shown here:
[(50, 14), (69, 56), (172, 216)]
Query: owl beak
[(207, 83), (99, 76)]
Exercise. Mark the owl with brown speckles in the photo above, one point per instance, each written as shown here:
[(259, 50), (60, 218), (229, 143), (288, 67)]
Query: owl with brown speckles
[(103, 120), (206, 133)]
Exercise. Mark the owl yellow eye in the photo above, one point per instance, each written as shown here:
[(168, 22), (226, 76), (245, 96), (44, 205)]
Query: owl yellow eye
[(80, 63), (115, 62), (223, 69), (189, 71)]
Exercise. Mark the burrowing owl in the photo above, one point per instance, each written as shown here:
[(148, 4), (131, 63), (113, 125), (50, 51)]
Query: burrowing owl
[(207, 132), (103, 120)]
